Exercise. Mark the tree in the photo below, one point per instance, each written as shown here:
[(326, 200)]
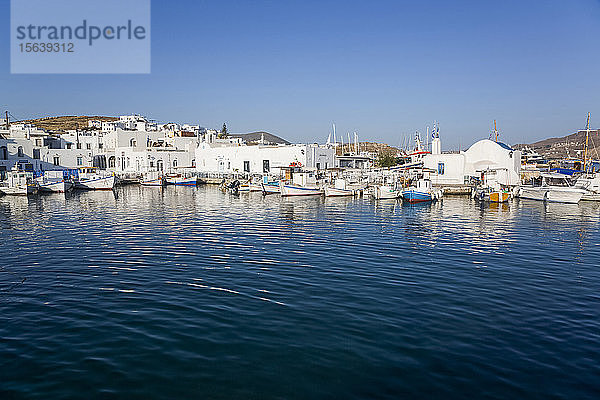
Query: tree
[(224, 132), (386, 160)]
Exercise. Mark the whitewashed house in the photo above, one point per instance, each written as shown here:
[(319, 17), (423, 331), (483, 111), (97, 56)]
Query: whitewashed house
[(213, 155)]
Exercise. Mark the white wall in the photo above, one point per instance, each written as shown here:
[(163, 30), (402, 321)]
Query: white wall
[(484, 154), (231, 158)]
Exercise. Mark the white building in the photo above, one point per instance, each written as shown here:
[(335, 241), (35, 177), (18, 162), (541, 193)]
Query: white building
[(258, 159), (164, 159), (459, 168)]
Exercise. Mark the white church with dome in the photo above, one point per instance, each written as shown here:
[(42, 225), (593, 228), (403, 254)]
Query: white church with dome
[(458, 168)]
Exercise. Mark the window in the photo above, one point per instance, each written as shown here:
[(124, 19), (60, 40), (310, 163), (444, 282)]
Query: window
[(20, 151), (266, 166), (151, 164), (246, 166), (36, 154), (174, 163), (38, 142), (318, 165), (3, 153), (228, 164), (78, 146), (132, 143), (79, 160), (441, 168), (100, 145), (56, 160), (88, 146), (69, 145)]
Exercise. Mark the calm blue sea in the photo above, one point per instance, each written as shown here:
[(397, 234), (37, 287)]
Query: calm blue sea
[(183, 293)]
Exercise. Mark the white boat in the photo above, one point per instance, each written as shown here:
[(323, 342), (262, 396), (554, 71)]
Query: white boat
[(18, 183), (591, 184), (382, 192), (335, 192), (250, 187), (288, 189), (270, 187), (182, 181), (54, 182), (339, 189), (152, 179), (93, 179), (554, 187)]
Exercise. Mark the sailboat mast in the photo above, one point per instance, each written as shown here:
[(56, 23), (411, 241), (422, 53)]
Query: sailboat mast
[(495, 131), (587, 138)]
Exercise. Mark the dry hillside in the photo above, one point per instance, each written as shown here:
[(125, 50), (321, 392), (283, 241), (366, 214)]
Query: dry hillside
[(66, 122), (567, 146)]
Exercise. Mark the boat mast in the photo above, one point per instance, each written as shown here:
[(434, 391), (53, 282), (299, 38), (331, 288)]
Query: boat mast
[(587, 138), (495, 131)]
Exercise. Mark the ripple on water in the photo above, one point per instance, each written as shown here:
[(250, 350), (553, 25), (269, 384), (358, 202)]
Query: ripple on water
[(264, 297)]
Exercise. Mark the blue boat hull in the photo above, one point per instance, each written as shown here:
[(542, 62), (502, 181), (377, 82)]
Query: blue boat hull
[(414, 196)]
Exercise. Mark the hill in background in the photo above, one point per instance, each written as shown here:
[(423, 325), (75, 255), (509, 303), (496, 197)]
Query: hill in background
[(66, 122), (567, 146), (255, 137)]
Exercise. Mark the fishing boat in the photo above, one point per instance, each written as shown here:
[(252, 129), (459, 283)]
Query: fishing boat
[(288, 189), (55, 182), (490, 189), (94, 179), (152, 178), (491, 194), (231, 187), (18, 183), (554, 187), (271, 187), (382, 192), (251, 187), (300, 183), (421, 192), (340, 188), (180, 180)]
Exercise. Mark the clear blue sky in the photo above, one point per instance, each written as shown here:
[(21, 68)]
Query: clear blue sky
[(382, 68)]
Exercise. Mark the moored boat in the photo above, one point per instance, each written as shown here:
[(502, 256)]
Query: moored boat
[(18, 183), (382, 192), (490, 189), (270, 187), (339, 189), (54, 182), (152, 179), (554, 187), (421, 192), (251, 187), (288, 189), (93, 179), (182, 181), (591, 184)]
